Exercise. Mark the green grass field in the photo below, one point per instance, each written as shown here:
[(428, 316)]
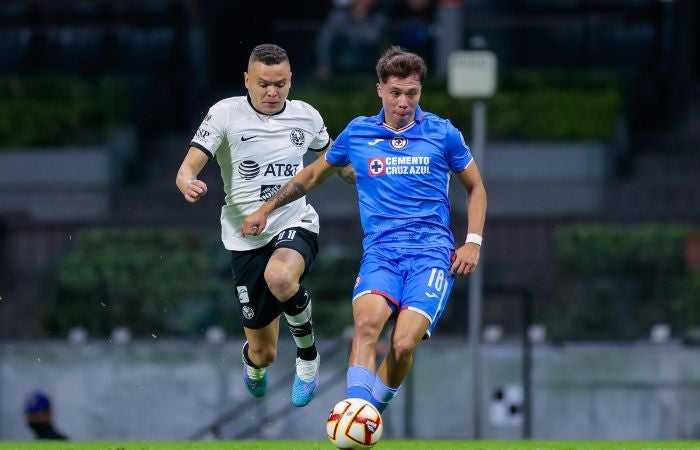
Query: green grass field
[(383, 445)]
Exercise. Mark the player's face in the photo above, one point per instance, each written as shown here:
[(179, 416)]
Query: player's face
[(400, 98), (268, 86)]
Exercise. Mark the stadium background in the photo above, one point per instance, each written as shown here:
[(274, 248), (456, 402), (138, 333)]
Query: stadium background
[(592, 240)]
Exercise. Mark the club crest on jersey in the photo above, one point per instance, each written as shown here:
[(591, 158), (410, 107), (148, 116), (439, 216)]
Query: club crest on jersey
[(398, 142), (297, 137), (248, 169), (248, 312), (376, 166)]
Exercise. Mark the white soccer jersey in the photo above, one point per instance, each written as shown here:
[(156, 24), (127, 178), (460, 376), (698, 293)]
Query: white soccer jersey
[(259, 153)]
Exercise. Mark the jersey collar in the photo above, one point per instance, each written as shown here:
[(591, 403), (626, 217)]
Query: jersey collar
[(265, 114), (417, 119)]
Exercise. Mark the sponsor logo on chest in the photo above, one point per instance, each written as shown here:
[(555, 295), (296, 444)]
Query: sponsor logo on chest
[(250, 169), (398, 165)]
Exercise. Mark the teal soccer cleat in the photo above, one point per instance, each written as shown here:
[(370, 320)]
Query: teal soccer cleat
[(255, 380)]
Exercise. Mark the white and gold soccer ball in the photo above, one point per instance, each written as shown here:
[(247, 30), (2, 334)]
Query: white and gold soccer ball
[(354, 424)]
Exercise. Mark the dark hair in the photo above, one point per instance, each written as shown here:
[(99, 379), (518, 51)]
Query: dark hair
[(268, 54), (397, 62)]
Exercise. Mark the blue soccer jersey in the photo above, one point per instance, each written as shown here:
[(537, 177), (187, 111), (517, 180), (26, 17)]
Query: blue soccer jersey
[(403, 177)]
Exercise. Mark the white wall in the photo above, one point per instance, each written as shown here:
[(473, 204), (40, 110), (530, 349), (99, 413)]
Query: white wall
[(169, 390)]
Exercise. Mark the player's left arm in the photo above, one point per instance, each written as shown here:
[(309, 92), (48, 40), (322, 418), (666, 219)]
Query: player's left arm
[(467, 256)]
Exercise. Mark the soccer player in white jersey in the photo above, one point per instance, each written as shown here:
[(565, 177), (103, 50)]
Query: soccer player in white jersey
[(259, 141), (403, 159)]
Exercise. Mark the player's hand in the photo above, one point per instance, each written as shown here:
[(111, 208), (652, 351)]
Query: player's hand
[(195, 190), (254, 224), (465, 260)]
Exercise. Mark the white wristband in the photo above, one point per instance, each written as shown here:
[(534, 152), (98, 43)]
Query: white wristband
[(474, 238)]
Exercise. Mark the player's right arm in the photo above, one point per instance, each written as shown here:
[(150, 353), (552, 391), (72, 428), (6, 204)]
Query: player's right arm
[(301, 184), (192, 188)]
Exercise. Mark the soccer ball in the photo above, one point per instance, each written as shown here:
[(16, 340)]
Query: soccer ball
[(354, 424)]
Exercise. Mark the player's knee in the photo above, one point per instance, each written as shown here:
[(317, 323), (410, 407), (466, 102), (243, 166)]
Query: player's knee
[(403, 348), (281, 283), (367, 328)]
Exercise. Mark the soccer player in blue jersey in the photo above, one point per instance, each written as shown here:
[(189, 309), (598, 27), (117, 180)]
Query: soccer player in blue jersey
[(403, 159)]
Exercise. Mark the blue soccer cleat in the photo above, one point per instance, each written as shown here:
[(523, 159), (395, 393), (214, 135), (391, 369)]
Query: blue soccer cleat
[(305, 381)]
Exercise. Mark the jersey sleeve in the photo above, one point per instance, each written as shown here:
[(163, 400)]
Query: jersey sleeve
[(338, 155), (321, 139), (211, 132), (457, 151)]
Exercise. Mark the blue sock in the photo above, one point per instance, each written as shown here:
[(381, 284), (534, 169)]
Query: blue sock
[(360, 381), (382, 394)]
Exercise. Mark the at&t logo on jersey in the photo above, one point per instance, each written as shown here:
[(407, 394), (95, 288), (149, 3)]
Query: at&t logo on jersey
[(281, 170), (248, 169), (399, 165)]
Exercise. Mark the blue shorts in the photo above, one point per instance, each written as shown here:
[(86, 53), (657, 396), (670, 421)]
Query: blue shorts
[(418, 279)]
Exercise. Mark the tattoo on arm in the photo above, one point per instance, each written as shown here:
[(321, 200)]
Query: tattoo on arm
[(347, 174), (287, 194)]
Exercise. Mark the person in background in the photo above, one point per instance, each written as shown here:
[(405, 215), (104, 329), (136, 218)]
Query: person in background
[(412, 27), (403, 158), (349, 39), (39, 417)]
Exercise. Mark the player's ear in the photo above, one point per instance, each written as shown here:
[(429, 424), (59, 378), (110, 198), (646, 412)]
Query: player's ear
[(245, 79), (379, 90)]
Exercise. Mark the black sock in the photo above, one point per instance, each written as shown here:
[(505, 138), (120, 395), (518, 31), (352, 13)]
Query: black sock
[(246, 358), (297, 303), (297, 311), (308, 353)]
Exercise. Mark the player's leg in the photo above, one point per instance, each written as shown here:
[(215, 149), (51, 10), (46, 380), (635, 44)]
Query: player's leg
[(295, 251), (426, 291), (378, 285), (259, 351), (370, 314), (282, 276), (408, 331), (259, 316)]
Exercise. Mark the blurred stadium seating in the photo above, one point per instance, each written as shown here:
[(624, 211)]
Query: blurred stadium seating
[(177, 57)]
